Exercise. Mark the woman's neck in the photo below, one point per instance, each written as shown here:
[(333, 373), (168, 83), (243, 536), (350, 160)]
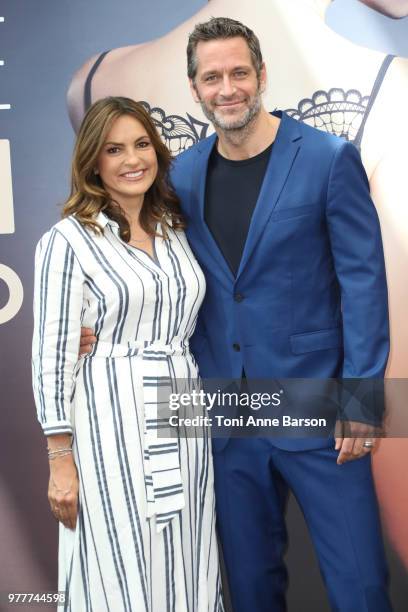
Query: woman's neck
[(131, 207)]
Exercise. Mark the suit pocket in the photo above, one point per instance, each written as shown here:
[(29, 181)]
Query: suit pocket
[(282, 214), (316, 341)]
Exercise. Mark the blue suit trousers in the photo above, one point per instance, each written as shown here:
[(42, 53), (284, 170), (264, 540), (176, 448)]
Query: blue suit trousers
[(252, 479)]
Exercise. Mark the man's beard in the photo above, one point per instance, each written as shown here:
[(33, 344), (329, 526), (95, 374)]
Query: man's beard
[(231, 125)]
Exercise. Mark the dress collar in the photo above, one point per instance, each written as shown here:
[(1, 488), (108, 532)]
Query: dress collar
[(103, 220)]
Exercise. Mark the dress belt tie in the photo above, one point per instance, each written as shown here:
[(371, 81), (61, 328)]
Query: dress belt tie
[(164, 486), (136, 347)]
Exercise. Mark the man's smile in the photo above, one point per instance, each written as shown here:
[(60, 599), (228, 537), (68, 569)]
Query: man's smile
[(230, 104)]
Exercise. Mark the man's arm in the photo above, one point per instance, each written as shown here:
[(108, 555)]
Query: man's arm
[(356, 245)]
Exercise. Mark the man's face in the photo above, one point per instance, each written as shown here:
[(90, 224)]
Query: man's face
[(226, 83), (391, 8)]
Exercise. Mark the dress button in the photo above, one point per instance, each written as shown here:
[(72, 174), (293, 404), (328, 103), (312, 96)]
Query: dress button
[(236, 347), (238, 297)]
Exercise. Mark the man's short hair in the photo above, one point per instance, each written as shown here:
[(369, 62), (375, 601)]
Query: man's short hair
[(221, 28)]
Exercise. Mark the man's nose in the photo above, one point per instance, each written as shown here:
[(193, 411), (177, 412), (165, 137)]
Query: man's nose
[(228, 87)]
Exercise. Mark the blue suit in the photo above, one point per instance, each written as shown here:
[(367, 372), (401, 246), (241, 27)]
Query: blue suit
[(309, 301)]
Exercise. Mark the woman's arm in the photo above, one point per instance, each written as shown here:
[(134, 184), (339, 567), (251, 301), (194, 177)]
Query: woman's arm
[(58, 295), (58, 290)]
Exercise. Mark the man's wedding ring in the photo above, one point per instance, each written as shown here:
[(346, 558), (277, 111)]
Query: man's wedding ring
[(368, 444)]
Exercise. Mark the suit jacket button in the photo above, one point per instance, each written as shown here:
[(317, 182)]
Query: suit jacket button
[(236, 347), (238, 297)]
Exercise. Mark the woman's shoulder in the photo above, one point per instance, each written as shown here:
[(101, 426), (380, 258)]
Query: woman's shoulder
[(64, 226), (67, 230)]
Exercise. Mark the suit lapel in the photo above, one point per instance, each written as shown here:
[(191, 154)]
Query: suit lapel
[(284, 151), (212, 250)]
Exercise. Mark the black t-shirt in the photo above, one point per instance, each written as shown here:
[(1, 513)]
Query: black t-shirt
[(232, 190)]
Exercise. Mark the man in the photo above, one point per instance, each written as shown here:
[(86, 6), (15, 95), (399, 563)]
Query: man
[(280, 219)]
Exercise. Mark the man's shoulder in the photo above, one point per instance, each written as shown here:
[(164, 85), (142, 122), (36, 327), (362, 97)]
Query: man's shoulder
[(189, 153), (183, 168), (318, 137), (321, 148), (184, 160)]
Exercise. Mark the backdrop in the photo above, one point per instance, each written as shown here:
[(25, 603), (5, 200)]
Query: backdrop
[(340, 66)]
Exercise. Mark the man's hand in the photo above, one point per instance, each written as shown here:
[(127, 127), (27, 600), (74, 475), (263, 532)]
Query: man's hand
[(86, 341), (350, 438)]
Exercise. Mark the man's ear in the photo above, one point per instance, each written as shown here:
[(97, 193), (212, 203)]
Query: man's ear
[(194, 92), (262, 78)]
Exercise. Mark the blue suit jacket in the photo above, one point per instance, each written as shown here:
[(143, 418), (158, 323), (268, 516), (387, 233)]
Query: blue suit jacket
[(312, 276)]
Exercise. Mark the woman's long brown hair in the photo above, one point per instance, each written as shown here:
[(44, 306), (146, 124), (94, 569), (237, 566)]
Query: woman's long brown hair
[(88, 196)]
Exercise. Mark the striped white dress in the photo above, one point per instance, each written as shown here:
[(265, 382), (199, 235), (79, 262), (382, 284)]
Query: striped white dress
[(145, 537)]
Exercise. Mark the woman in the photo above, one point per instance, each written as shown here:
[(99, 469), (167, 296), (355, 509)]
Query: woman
[(136, 508)]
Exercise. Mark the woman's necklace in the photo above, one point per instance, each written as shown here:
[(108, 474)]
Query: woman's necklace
[(140, 241)]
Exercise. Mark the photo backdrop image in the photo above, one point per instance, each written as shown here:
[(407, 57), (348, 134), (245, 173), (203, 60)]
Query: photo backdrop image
[(340, 66)]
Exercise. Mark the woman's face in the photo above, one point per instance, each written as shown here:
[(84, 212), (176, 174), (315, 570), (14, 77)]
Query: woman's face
[(392, 8), (127, 162)]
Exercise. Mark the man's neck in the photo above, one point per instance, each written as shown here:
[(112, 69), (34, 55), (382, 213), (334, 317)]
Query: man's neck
[(251, 140)]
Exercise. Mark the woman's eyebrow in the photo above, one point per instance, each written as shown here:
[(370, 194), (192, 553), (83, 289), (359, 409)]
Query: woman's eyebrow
[(118, 144)]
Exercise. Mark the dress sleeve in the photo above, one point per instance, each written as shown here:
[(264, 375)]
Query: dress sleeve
[(58, 299)]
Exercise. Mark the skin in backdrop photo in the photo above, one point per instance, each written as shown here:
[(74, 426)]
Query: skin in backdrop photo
[(40, 181)]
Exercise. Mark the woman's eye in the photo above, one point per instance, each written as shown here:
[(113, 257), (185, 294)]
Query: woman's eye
[(144, 144), (112, 150)]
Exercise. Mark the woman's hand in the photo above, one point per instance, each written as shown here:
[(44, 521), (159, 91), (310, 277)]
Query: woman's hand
[(63, 487)]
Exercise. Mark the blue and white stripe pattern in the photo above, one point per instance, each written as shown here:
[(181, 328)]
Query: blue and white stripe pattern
[(145, 536)]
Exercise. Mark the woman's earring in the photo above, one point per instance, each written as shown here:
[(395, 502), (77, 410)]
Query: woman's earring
[(96, 171)]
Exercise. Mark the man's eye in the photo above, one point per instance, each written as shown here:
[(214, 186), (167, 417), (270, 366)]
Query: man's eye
[(240, 73), (210, 78)]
